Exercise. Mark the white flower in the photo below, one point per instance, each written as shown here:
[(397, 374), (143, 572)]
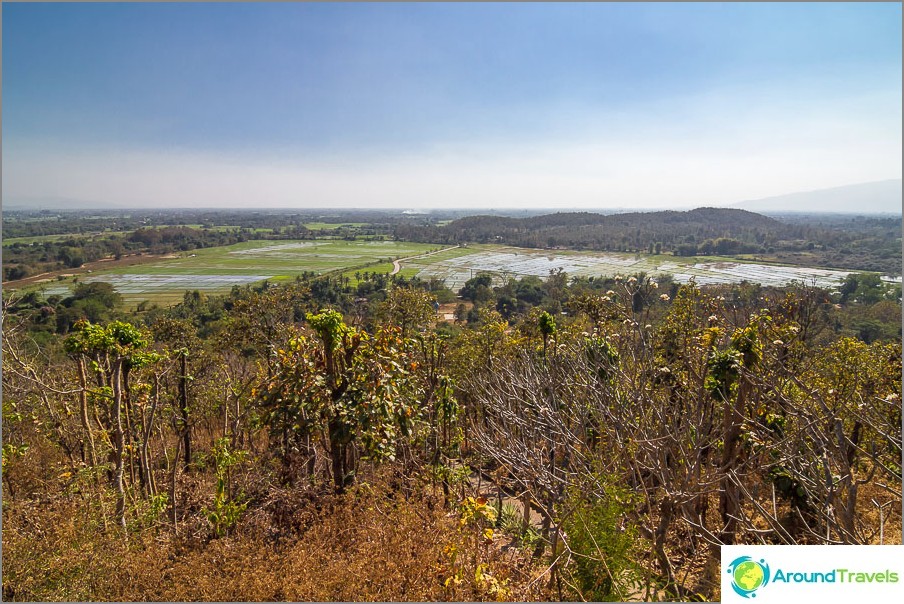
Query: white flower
[(618, 278), (632, 280), (664, 297), (607, 299), (654, 285), (610, 293), (779, 343)]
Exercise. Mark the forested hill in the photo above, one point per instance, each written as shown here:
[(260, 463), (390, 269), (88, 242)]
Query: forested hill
[(626, 232)]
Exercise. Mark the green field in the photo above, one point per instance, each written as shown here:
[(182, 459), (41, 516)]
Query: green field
[(218, 269), (42, 238), (319, 226)]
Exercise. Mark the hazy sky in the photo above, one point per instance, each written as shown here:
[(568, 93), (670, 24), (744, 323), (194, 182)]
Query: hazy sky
[(442, 105)]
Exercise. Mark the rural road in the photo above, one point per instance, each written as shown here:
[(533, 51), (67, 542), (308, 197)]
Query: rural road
[(396, 267), (110, 262)]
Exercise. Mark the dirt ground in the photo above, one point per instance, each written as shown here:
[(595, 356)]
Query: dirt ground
[(446, 311)]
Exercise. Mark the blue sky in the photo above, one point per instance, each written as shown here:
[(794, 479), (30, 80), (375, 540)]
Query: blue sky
[(439, 105)]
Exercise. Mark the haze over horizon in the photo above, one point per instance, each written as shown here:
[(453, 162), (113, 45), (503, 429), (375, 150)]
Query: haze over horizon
[(584, 106)]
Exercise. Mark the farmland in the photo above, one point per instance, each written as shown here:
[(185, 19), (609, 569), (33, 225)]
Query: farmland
[(216, 270), (457, 266), (8, 241)]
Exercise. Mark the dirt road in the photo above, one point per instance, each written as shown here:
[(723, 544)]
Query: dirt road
[(104, 263), (396, 267)]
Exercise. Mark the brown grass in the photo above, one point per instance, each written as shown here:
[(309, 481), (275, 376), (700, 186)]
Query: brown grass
[(368, 545)]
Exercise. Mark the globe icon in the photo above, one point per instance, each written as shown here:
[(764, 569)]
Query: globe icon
[(748, 575)]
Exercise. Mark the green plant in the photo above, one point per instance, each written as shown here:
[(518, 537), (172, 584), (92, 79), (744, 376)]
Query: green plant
[(511, 521), (476, 510), (603, 544), (226, 510)]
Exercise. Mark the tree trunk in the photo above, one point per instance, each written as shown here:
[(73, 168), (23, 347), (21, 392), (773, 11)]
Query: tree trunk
[(83, 400), (130, 432), (729, 494), (338, 458), (337, 454), (183, 409), (118, 444), (525, 509), (146, 438), (172, 487), (666, 513), (311, 452)]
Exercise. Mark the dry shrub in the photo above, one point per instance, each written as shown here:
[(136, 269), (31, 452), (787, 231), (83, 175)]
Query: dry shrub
[(370, 544)]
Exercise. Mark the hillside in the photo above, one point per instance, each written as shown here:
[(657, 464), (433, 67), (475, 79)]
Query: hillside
[(635, 231), (880, 197)]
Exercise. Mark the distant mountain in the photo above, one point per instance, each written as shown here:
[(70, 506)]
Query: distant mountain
[(879, 197)]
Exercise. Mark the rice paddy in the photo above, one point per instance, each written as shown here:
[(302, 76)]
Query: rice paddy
[(501, 261), (216, 270)]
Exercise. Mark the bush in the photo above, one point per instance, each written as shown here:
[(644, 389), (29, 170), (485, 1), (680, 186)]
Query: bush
[(603, 545), (367, 545)]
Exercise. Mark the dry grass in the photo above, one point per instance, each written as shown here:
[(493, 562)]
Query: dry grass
[(367, 545)]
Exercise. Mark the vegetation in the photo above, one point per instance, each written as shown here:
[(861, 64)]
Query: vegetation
[(860, 244), (334, 437), (35, 243)]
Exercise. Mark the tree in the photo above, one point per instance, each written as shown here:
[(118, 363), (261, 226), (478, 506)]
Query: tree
[(475, 288), (345, 385), (547, 326), (410, 308), (114, 350)]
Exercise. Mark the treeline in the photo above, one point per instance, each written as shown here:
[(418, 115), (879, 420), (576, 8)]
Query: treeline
[(854, 243), (844, 242), (86, 237), (21, 260), (633, 232), (85, 222)]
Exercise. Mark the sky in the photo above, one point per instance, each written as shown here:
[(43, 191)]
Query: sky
[(422, 106)]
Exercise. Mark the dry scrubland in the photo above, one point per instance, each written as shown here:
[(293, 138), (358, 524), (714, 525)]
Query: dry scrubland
[(271, 449), (241, 418), (296, 545)]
